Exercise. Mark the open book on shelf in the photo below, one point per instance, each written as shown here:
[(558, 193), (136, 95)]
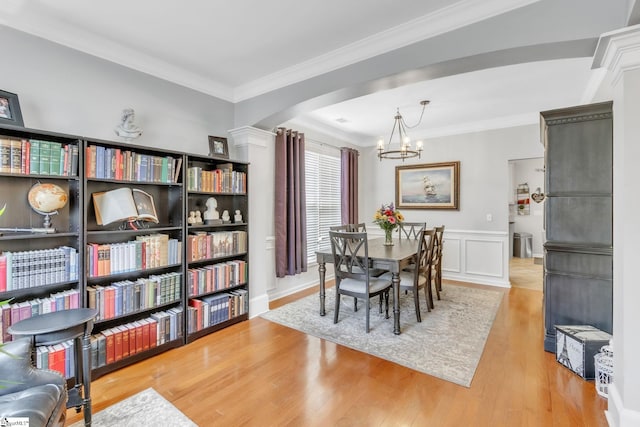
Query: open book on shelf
[(124, 204)]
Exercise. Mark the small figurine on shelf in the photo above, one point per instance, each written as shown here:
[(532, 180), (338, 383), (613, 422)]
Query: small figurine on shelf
[(238, 216), (225, 217), (198, 218), (211, 215), (127, 129), (192, 218)]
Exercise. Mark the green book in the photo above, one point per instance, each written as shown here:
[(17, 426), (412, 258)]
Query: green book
[(55, 149), (34, 157), (45, 158), (165, 170)]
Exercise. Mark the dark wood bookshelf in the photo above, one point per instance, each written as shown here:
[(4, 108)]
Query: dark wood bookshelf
[(76, 224), (218, 326), (130, 360)]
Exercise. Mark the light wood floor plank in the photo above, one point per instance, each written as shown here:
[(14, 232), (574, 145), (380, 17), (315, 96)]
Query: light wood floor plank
[(259, 373)]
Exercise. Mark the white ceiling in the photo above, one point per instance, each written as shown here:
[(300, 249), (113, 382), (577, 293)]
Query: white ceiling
[(237, 50)]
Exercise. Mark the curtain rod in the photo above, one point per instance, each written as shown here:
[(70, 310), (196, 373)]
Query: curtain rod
[(316, 142), (320, 143)]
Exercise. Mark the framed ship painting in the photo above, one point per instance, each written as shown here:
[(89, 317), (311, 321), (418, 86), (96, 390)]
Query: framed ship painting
[(428, 186)]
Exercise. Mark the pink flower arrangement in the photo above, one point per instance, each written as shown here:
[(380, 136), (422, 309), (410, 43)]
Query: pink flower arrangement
[(388, 217)]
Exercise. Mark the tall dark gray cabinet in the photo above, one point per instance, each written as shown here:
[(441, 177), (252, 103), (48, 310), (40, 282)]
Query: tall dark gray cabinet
[(578, 253)]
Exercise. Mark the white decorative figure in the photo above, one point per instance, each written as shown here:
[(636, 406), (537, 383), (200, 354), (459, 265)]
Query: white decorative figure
[(192, 218), (225, 216), (126, 128), (198, 219), (211, 213), (238, 216)]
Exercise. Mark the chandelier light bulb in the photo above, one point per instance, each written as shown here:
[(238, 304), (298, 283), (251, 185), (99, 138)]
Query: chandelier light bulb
[(404, 151)]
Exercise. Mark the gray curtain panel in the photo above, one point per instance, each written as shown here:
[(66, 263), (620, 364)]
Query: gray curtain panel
[(349, 185), (290, 206)]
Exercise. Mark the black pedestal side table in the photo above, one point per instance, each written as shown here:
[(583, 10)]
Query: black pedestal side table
[(59, 326)]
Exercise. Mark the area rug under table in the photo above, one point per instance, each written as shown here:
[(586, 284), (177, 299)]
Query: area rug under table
[(147, 408), (447, 344)]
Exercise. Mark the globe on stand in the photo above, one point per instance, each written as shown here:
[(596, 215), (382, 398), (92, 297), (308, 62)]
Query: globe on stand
[(46, 199)]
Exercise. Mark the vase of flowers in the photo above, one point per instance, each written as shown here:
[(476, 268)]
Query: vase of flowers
[(388, 218)]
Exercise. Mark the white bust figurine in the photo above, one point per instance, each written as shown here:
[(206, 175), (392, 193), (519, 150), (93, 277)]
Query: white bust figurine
[(211, 212), (225, 216), (238, 216), (192, 217), (126, 128)]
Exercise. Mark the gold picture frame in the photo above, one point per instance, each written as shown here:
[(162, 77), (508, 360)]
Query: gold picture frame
[(428, 186)]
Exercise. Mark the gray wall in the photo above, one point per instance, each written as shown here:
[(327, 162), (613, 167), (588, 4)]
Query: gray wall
[(66, 91)]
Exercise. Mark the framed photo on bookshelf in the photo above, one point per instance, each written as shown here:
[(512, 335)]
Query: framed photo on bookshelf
[(218, 147), (10, 113)]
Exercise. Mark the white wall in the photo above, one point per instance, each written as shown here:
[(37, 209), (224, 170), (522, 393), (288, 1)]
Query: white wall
[(484, 188), (484, 176), (530, 171), (65, 91)]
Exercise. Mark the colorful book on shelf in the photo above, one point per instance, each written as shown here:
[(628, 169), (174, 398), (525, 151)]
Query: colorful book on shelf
[(124, 204)]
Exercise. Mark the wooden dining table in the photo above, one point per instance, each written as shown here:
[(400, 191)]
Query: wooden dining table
[(391, 258)]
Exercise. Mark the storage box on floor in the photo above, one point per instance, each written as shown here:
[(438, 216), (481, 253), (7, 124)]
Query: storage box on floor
[(576, 345)]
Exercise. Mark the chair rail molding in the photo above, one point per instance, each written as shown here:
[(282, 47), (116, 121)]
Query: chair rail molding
[(476, 256)]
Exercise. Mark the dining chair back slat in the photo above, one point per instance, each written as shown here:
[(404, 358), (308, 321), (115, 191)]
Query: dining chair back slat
[(353, 277)]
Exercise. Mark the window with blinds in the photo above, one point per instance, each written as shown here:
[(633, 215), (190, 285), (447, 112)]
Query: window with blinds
[(322, 175)]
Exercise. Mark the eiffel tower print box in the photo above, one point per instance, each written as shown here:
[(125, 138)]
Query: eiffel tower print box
[(576, 345)]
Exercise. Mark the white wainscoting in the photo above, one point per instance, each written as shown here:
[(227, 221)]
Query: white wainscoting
[(476, 256)]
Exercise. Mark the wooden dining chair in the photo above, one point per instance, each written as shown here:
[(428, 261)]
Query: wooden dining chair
[(353, 277), (420, 277), (411, 230), (437, 259)]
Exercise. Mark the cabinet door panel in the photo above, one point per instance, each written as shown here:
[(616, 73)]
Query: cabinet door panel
[(579, 264), (574, 300), (580, 220), (579, 158)]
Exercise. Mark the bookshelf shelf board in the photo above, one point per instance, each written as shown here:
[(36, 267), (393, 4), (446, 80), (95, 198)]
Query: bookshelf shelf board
[(38, 176), (219, 258), (123, 181), (18, 235), (42, 289), (113, 321), (218, 326), (103, 370), (133, 232), (129, 274), (214, 193), (217, 291), (207, 226)]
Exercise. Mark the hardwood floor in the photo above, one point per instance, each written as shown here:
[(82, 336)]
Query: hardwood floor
[(259, 373), (525, 273)]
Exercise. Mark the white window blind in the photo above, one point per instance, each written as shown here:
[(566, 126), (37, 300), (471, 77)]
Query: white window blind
[(322, 174)]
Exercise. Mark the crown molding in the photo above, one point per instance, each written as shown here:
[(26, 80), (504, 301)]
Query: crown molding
[(249, 135), (458, 15), (618, 51), (111, 51)]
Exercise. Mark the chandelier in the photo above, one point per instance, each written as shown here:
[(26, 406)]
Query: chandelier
[(404, 149)]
